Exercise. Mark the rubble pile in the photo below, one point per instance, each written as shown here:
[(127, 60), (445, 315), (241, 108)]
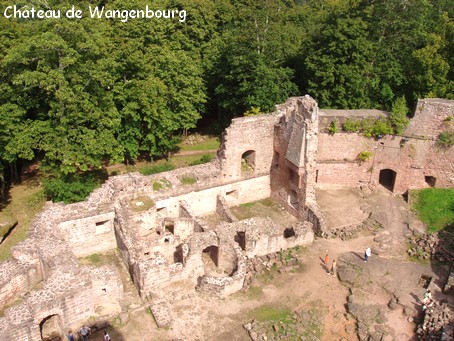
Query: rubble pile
[(431, 246), (437, 319), (282, 261), (351, 232), (305, 324)]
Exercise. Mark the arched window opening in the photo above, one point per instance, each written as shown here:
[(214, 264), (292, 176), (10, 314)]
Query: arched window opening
[(248, 162)]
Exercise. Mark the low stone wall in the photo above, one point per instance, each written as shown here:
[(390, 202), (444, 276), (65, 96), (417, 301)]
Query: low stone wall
[(283, 261), (225, 285), (224, 211), (351, 232)]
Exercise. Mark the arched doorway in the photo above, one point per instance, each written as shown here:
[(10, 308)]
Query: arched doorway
[(387, 179), (248, 162), (51, 328)]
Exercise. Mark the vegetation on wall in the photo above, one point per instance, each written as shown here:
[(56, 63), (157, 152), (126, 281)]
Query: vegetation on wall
[(332, 129), (446, 139), (364, 156), (78, 94), (369, 127)]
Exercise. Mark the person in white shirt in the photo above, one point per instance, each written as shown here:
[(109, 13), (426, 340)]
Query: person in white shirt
[(367, 254)]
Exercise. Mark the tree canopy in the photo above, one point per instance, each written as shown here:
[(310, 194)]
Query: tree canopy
[(75, 93)]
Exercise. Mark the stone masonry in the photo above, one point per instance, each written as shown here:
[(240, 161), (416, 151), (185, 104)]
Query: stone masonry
[(157, 221)]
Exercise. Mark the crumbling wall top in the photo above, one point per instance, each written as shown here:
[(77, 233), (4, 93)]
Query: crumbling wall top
[(432, 116)]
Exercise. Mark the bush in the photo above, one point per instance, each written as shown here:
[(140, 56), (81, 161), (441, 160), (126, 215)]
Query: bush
[(398, 116), (435, 207), (376, 128), (253, 111), (333, 127), (369, 127), (188, 180), (446, 139), (204, 159), (364, 156), (352, 125), (71, 188), (154, 169)]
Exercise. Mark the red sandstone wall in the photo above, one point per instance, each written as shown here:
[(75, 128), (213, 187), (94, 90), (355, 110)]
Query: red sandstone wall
[(430, 117), (412, 161)]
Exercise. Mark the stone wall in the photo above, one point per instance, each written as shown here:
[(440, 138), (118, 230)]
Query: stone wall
[(90, 235), (295, 144), (412, 159), (223, 210), (17, 278), (431, 117), (226, 285), (327, 116), (71, 296), (203, 201), (248, 134)]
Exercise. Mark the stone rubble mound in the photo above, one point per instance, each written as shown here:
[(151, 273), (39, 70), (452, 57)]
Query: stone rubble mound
[(438, 320), (351, 232), (431, 246)]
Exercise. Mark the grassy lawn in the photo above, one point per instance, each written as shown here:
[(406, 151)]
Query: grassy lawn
[(210, 143), (280, 322), (435, 207), (26, 201), (147, 168), (181, 161), (272, 313)]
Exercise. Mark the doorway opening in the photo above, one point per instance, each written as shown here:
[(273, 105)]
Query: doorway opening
[(51, 328), (240, 238), (387, 179)]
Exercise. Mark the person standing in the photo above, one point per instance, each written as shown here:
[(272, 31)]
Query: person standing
[(84, 332), (367, 253), (70, 336), (332, 271), (106, 336), (326, 259)]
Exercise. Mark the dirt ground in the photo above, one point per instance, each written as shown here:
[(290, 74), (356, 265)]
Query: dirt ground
[(388, 274)]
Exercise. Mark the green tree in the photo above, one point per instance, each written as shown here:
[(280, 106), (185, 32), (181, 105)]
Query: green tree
[(59, 77), (252, 70), (398, 115), (336, 59)]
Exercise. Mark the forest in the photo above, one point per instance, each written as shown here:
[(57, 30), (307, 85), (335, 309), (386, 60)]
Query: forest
[(77, 94)]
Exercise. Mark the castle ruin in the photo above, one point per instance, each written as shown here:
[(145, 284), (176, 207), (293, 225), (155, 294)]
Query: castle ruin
[(157, 221)]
